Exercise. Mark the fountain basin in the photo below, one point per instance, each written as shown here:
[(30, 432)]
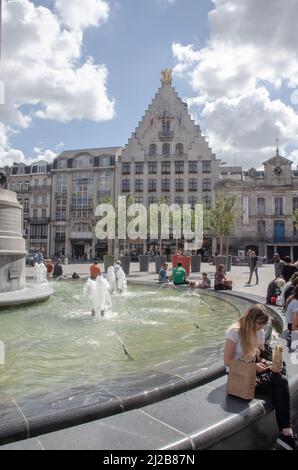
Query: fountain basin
[(28, 295), (64, 368)]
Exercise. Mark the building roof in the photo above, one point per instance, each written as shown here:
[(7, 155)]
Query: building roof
[(94, 152)]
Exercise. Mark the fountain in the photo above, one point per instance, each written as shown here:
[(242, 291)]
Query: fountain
[(98, 293), (40, 273), (12, 254)]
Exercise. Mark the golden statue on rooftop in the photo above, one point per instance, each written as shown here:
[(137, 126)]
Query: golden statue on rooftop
[(166, 76)]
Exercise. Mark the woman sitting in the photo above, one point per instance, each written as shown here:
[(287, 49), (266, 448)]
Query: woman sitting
[(221, 282), (243, 340)]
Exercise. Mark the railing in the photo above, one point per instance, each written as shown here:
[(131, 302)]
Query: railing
[(39, 220)]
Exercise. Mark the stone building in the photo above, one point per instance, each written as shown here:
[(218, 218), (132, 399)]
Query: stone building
[(80, 180), (32, 183), (167, 156), (268, 199)]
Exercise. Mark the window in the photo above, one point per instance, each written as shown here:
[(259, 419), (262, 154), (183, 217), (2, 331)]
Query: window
[(261, 209), (152, 200), (193, 184), (139, 200), (36, 183), (166, 167), (166, 149), (179, 200), (166, 126), (152, 186), (44, 198), (152, 150), (61, 164), (60, 209), (278, 206), (179, 185), (26, 206), (41, 169), (125, 186), (207, 201), (192, 201), (206, 166), (139, 185), (45, 182), (125, 168), (104, 183), (179, 150), (61, 185), (152, 167), (295, 203), (179, 167), (35, 199), (193, 167), (261, 227), (139, 168), (165, 184), (44, 213), (206, 184), (35, 214)]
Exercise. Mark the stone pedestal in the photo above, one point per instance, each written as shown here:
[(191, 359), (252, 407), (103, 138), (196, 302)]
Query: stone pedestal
[(12, 244)]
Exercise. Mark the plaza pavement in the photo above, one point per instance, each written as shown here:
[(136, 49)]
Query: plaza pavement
[(238, 274)]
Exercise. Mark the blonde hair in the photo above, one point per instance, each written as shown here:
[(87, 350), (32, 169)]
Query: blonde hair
[(246, 327)]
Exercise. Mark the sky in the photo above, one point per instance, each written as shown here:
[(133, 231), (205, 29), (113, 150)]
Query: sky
[(81, 73)]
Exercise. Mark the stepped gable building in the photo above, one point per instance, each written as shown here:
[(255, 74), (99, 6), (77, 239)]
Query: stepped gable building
[(268, 199), (167, 156)]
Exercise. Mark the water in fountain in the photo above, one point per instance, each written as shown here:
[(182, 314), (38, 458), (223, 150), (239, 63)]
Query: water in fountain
[(40, 273), (121, 280), (111, 278), (98, 293)]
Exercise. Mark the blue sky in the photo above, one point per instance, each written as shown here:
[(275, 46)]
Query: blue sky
[(80, 74), (135, 44)]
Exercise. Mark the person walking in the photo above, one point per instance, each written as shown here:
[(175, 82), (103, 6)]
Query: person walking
[(253, 267)]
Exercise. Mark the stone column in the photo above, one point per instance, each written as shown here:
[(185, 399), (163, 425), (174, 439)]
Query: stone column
[(12, 243)]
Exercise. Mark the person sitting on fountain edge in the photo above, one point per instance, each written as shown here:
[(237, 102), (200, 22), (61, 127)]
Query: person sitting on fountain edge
[(94, 270), (179, 275), (58, 271), (163, 275)]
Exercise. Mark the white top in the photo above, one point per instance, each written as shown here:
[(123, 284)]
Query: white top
[(291, 310), (233, 335)]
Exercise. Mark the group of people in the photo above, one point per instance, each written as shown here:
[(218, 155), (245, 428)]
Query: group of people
[(45, 269), (179, 277)]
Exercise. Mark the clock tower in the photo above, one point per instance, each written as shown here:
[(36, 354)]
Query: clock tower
[(278, 170)]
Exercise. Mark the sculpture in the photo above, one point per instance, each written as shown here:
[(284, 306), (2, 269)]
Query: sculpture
[(166, 75)]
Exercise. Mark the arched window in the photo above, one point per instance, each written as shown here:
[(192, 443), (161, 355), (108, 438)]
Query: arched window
[(152, 150), (166, 150), (179, 150)]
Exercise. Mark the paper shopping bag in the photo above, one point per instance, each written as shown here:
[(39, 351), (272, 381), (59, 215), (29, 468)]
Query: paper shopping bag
[(242, 379)]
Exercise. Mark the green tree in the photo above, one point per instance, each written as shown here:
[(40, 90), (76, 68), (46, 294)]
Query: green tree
[(221, 219), (295, 218)]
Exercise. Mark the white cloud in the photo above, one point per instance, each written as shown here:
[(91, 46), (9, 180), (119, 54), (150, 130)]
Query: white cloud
[(250, 47), (78, 14), (43, 68)]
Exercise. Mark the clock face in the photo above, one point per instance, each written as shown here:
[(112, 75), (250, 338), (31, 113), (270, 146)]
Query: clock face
[(278, 171)]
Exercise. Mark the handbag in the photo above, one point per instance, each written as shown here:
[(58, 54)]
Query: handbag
[(242, 379)]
